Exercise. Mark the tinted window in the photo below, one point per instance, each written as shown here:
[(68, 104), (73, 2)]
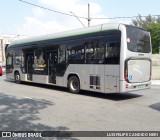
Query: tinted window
[(18, 58), (9, 60), (138, 40), (75, 52), (112, 53), (39, 65), (62, 53), (112, 44), (104, 49), (95, 52)]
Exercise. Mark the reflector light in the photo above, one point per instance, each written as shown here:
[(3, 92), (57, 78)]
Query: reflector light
[(126, 85), (128, 40)]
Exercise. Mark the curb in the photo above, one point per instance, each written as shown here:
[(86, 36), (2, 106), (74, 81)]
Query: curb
[(155, 82)]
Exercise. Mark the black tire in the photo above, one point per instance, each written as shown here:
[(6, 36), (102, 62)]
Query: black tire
[(74, 84), (17, 78)]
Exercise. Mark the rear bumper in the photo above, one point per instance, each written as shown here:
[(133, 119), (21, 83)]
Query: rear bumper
[(128, 87)]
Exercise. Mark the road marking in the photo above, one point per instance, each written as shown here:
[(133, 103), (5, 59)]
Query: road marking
[(29, 98)]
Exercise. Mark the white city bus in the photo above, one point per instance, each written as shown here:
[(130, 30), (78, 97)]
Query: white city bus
[(108, 58)]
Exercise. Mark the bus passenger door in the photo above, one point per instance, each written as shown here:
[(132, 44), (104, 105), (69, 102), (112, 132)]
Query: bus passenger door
[(30, 61), (52, 61)]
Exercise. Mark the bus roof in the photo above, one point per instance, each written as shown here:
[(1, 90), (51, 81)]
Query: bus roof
[(81, 31)]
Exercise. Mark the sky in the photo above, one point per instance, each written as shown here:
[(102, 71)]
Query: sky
[(19, 18)]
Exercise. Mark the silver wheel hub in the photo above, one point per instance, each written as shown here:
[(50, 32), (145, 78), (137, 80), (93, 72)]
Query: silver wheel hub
[(73, 85), (17, 77)]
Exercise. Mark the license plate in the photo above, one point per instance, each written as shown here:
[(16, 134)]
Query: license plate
[(140, 86)]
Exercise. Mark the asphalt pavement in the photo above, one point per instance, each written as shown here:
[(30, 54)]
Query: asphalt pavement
[(37, 107)]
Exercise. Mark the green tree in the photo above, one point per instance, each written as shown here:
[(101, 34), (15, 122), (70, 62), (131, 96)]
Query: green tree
[(145, 22), (152, 24), (158, 19), (155, 37)]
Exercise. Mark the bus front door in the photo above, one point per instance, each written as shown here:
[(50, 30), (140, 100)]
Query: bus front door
[(30, 62), (52, 61)]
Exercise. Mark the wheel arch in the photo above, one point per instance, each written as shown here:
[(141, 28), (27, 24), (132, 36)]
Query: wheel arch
[(16, 71), (73, 74)]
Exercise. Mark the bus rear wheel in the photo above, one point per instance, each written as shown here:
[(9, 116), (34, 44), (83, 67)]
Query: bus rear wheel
[(17, 78), (74, 84)]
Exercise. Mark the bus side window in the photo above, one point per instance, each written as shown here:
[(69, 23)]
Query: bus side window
[(89, 51), (101, 52), (76, 52), (112, 53), (95, 52), (9, 61), (18, 58), (62, 53)]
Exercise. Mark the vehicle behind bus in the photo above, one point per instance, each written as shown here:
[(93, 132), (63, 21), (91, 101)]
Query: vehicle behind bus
[(1, 71)]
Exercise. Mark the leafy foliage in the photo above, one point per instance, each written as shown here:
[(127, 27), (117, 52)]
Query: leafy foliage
[(155, 37), (152, 24), (145, 22)]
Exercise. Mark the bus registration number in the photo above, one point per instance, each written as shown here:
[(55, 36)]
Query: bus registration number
[(140, 86)]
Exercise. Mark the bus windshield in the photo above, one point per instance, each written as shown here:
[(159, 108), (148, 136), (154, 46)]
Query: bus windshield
[(138, 40)]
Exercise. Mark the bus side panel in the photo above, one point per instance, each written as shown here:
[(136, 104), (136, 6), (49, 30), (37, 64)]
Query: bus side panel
[(91, 76), (60, 81), (22, 75), (69, 71), (112, 78), (43, 79), (11, 75), (82, 72), (99, 78)]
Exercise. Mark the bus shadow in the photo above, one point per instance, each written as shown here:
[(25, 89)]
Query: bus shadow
[(111, 96), (108, 96), (52, 87), (8, 80)]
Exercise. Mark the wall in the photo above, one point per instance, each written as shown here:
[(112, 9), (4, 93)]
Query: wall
[(156, 67), (6, 39), (1, 52)]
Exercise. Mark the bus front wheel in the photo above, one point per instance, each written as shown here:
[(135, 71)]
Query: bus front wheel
[(74, 84), (17, 78)]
